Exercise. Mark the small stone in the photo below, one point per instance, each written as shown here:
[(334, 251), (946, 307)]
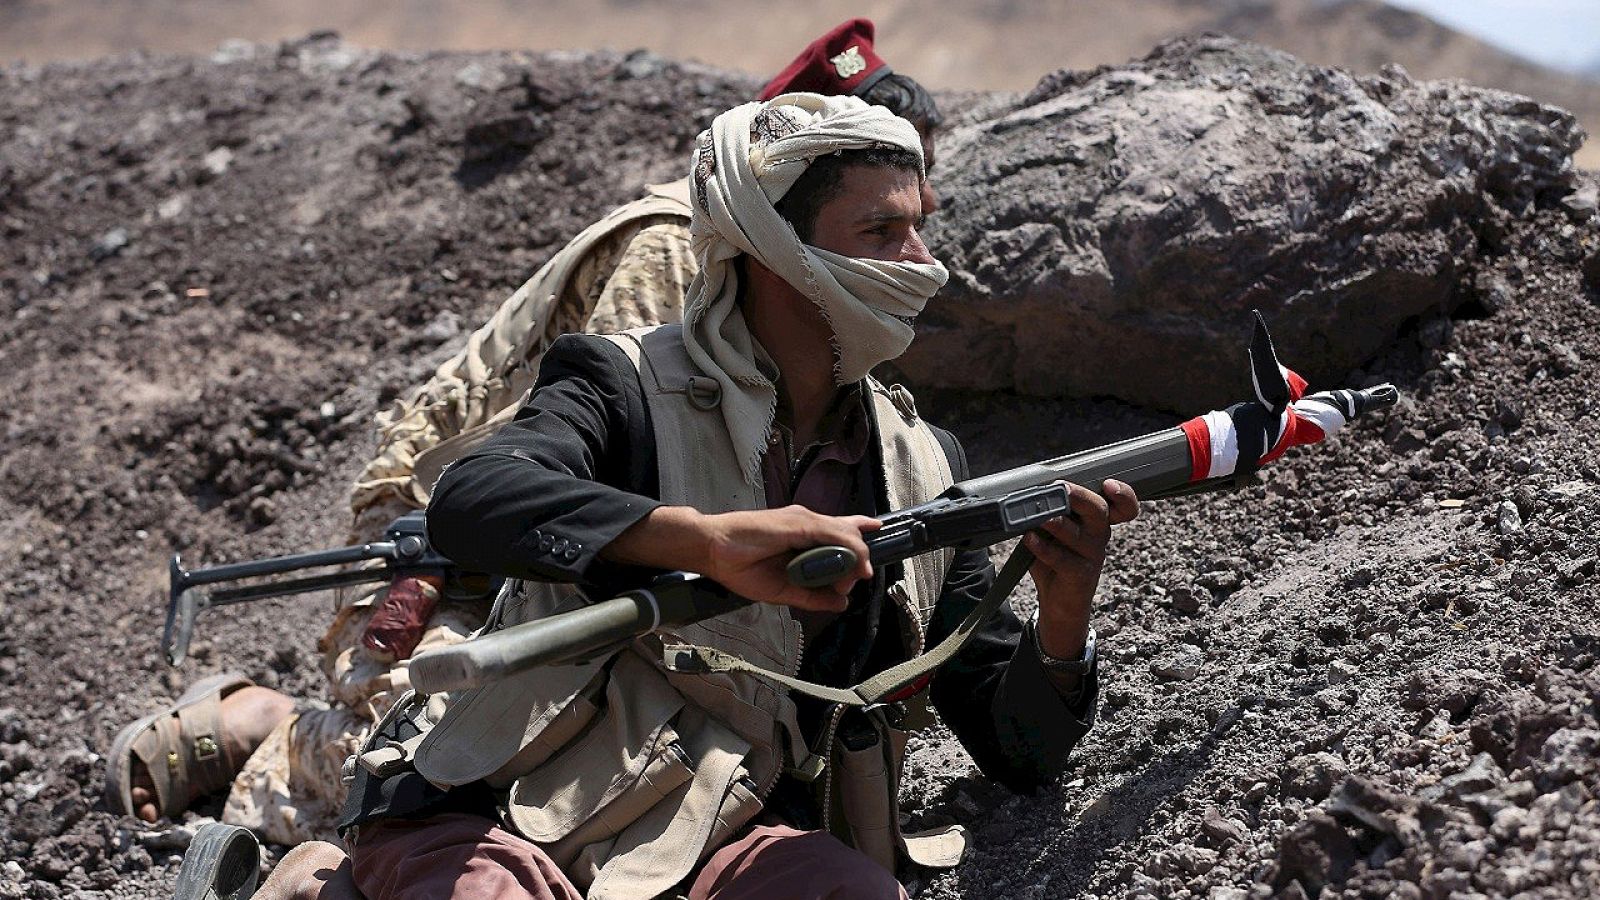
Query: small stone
[(1583, 202), (217, 161), (1223, 831), (263, 511), (1508, 412), (1481, 775), (109, 244), (1508, 822), (1313, 776), (12, 728), (172, 207), (1508, 519), (1182, 664), (233, 50), (1341, 671), (1578, 571), (444, 326), (1221, 580), (1564, 360), (327, 410), (1183, 599), (1569, 754)]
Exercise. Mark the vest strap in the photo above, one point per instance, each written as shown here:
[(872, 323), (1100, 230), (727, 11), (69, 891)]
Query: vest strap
[(695, 659)]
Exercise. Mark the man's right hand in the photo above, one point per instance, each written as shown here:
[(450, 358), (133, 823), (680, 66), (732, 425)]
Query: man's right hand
[(747, 552)]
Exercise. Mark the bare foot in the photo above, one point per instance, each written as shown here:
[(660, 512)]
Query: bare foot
[(312, 871), (248, 715)]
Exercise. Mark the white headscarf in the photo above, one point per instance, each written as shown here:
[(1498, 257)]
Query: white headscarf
[(743, 166)]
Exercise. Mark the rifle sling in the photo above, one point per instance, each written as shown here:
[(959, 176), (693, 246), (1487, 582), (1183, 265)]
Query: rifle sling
[(696, 658)]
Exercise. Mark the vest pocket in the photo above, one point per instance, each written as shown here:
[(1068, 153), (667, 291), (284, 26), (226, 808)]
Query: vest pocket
[(737, 809), (630, 738), (665, 772), (866, 799)]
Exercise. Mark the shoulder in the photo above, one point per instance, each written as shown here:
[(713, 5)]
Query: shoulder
[(901, 400), (589, 357)]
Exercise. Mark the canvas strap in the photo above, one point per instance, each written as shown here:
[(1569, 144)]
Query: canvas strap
[(693, 658)]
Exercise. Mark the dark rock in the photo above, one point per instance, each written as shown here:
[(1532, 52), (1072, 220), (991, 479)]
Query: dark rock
[(1223, 831), (1569, 754), (1183, 599), (1312, 777), (1144, 210), (1315, 852), (1181, 664)]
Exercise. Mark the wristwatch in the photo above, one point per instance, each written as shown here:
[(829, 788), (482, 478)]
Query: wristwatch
[(1080, 666)]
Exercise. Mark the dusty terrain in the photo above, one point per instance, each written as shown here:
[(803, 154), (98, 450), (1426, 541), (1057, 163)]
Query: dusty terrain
[(953, 44), (1372, 675)]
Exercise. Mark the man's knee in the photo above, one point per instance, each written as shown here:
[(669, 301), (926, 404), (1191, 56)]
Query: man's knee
[(316, 870), (856, 877)]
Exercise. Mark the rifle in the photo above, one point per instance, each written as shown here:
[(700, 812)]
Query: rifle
[(405, 550), (1219, 451)]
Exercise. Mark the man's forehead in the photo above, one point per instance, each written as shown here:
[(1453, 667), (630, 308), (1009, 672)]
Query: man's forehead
[(879, 193)]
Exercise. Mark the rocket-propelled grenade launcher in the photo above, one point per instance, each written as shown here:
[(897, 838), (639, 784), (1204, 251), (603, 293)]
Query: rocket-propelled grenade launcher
[(1220, 450)]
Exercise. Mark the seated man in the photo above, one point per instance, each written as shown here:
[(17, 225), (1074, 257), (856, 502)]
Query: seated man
[(630, 268), (721, 447)]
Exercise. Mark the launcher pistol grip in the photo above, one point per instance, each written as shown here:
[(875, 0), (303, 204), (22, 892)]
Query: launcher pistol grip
[(953, 523)]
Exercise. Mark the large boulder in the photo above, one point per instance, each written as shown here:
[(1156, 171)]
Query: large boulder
[(1109, 232)]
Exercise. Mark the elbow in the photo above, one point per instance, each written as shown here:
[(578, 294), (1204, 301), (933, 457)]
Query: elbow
[(450, 514)]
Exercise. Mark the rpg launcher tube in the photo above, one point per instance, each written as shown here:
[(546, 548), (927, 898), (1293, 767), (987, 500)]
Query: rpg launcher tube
[(571, 637), (1156, 465)]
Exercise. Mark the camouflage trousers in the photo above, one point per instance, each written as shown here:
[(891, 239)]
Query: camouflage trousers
[(290, 789)]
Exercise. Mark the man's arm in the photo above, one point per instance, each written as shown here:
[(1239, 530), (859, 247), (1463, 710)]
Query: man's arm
[(1016, 716), (574, 469), (1018, 721), (566, 492)]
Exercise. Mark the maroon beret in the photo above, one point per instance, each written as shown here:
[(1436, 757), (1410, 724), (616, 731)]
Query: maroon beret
[(840, 62)]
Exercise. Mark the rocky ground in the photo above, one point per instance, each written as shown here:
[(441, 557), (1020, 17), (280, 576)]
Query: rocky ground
[(1372, 675)]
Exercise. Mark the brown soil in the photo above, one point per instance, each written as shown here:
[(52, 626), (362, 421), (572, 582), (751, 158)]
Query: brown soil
[(214, 274)]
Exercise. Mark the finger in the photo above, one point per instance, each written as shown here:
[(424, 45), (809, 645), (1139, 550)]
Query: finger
[(1092, 511), (816, 600), (1065, 529), (1123, 499), (1073, 546), (1053, 555)]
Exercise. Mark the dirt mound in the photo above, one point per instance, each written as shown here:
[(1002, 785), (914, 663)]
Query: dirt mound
[(950, 44), (1373, 674)]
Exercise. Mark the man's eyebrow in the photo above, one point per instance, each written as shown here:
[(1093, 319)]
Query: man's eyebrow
[(884, 217)]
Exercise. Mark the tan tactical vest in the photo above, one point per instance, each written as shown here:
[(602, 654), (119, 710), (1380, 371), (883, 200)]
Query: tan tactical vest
[(629, 774)]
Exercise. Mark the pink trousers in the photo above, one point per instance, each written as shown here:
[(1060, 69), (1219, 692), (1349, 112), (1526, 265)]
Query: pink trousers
[(464, 856)]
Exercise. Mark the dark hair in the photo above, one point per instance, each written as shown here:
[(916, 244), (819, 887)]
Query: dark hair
[(907, 99), (821, 183)]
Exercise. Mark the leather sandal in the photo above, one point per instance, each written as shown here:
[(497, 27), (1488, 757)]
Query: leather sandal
[(182, 748), (223, 863)]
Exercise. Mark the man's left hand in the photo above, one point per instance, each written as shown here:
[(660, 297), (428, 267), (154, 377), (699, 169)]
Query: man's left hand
[(1070, 551)]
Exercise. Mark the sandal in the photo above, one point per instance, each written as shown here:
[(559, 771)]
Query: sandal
[(223, 863), (181, 747)]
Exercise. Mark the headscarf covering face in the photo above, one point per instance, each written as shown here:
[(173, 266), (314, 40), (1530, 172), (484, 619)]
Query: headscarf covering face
[(744, 164)]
